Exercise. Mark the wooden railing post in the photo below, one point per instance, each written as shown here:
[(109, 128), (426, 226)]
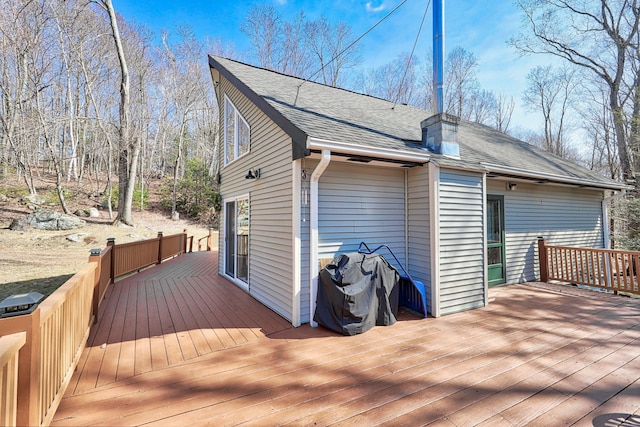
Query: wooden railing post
[(184, 243), (28, 366), (210, 240), (159, 247), (10, 346), (111, 241), (543, 259), (94, 256)]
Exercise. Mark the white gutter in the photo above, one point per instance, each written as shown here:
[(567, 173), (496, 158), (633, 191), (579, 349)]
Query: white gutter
[(542, 175), (368, 151), (315, 262)]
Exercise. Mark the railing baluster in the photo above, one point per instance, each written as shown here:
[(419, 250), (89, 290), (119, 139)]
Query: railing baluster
[(610, 269)]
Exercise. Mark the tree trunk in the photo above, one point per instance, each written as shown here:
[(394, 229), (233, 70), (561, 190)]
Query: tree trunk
[(126, 166)]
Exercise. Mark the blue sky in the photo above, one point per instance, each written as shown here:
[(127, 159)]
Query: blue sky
[(481, 27)]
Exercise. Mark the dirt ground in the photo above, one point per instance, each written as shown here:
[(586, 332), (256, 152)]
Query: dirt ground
[(39, 260)]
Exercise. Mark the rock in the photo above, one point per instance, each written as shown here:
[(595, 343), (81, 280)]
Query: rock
[(19, 224), (3, 198), (133, 236), (70, 222), (94, 213), (33, 199), (46, 219), (76, 237), (82, 213), (175, 216)]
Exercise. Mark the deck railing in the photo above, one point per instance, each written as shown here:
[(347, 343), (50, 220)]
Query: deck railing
[(9, 347), (610, 269), (49, 341)]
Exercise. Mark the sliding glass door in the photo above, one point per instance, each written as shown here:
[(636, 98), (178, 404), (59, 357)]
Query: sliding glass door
[(237, 241)]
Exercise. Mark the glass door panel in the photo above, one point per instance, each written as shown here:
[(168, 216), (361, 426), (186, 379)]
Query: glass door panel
[(237, 240), (496, 267)]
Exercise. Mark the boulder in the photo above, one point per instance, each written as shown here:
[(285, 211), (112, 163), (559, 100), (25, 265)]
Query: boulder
[(19, 224), (33, 199), (82, 213), (76, 237), (94, 213), (70, 222), (3, 198), (46, 219)]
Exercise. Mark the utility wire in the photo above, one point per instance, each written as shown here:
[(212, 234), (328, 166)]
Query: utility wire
[(415, 43), (350, 46)]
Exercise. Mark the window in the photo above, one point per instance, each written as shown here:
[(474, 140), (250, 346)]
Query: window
[(236, 133)]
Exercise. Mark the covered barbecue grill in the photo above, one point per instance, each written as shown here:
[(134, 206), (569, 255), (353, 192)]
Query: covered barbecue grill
[(357, 291)]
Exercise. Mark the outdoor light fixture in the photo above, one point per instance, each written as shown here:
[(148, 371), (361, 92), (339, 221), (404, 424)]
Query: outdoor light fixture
[(16, 305), (512, 186), (253, 174)]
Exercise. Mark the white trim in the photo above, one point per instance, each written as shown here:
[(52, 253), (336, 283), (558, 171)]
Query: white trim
[(297, 262), (485, 270), (240, 283), (558, 178), (314, 258), (367, 151), (406, 220), (434, 222)]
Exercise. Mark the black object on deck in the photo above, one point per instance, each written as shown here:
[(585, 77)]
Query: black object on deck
[(356, 292)]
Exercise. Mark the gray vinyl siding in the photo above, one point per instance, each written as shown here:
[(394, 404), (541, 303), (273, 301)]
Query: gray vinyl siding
[(565, 216), (270, 198), (461, 241), (419, 233), (361, 203)]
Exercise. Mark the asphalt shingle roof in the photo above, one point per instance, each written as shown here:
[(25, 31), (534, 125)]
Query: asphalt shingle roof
[(338, 115)]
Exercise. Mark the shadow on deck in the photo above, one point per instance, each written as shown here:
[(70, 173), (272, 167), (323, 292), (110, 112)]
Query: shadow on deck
[(178, 345)]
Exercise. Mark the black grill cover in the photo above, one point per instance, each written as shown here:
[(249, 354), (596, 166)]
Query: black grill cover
[(357, 292)]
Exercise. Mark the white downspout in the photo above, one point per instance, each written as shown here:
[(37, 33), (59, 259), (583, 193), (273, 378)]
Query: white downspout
[(315, 263)]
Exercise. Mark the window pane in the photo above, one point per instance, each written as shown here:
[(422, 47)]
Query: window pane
[(229, 131), (494, 255), (243, 137), (494, 232)]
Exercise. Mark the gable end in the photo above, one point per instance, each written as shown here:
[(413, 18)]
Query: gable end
[(298, 137)]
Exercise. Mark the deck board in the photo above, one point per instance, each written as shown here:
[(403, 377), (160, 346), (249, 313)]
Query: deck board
[(185, 346)]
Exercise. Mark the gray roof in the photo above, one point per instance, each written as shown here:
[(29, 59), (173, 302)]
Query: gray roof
[(307, 109)]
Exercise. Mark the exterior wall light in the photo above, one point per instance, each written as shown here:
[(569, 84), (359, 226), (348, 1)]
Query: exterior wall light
[(512, 186), (253, 174)]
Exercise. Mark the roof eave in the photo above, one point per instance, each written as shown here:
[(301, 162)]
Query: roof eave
[(368, 151), (555, 178)]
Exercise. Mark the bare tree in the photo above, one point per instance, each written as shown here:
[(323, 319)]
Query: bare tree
[(126, 166), (549, 91), (594, 35), (395, 81), (503, 112), (263, 27), (461, 83)]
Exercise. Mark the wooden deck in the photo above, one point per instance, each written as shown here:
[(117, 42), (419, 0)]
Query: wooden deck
[(178, 345)]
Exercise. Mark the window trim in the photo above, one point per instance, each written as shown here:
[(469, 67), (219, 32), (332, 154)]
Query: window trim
[(238, 119)]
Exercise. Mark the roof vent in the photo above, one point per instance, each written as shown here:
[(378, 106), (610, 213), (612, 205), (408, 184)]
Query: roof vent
[(439, 134)]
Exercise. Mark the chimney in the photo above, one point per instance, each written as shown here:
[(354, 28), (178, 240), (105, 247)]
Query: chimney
[(439, 134)]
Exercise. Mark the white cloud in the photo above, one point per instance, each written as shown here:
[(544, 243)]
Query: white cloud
[(374, 9)]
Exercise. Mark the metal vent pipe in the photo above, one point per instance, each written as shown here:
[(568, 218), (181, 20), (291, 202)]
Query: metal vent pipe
[(438, 54)]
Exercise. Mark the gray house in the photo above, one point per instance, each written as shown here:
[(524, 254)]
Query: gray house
[(310, 171)]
